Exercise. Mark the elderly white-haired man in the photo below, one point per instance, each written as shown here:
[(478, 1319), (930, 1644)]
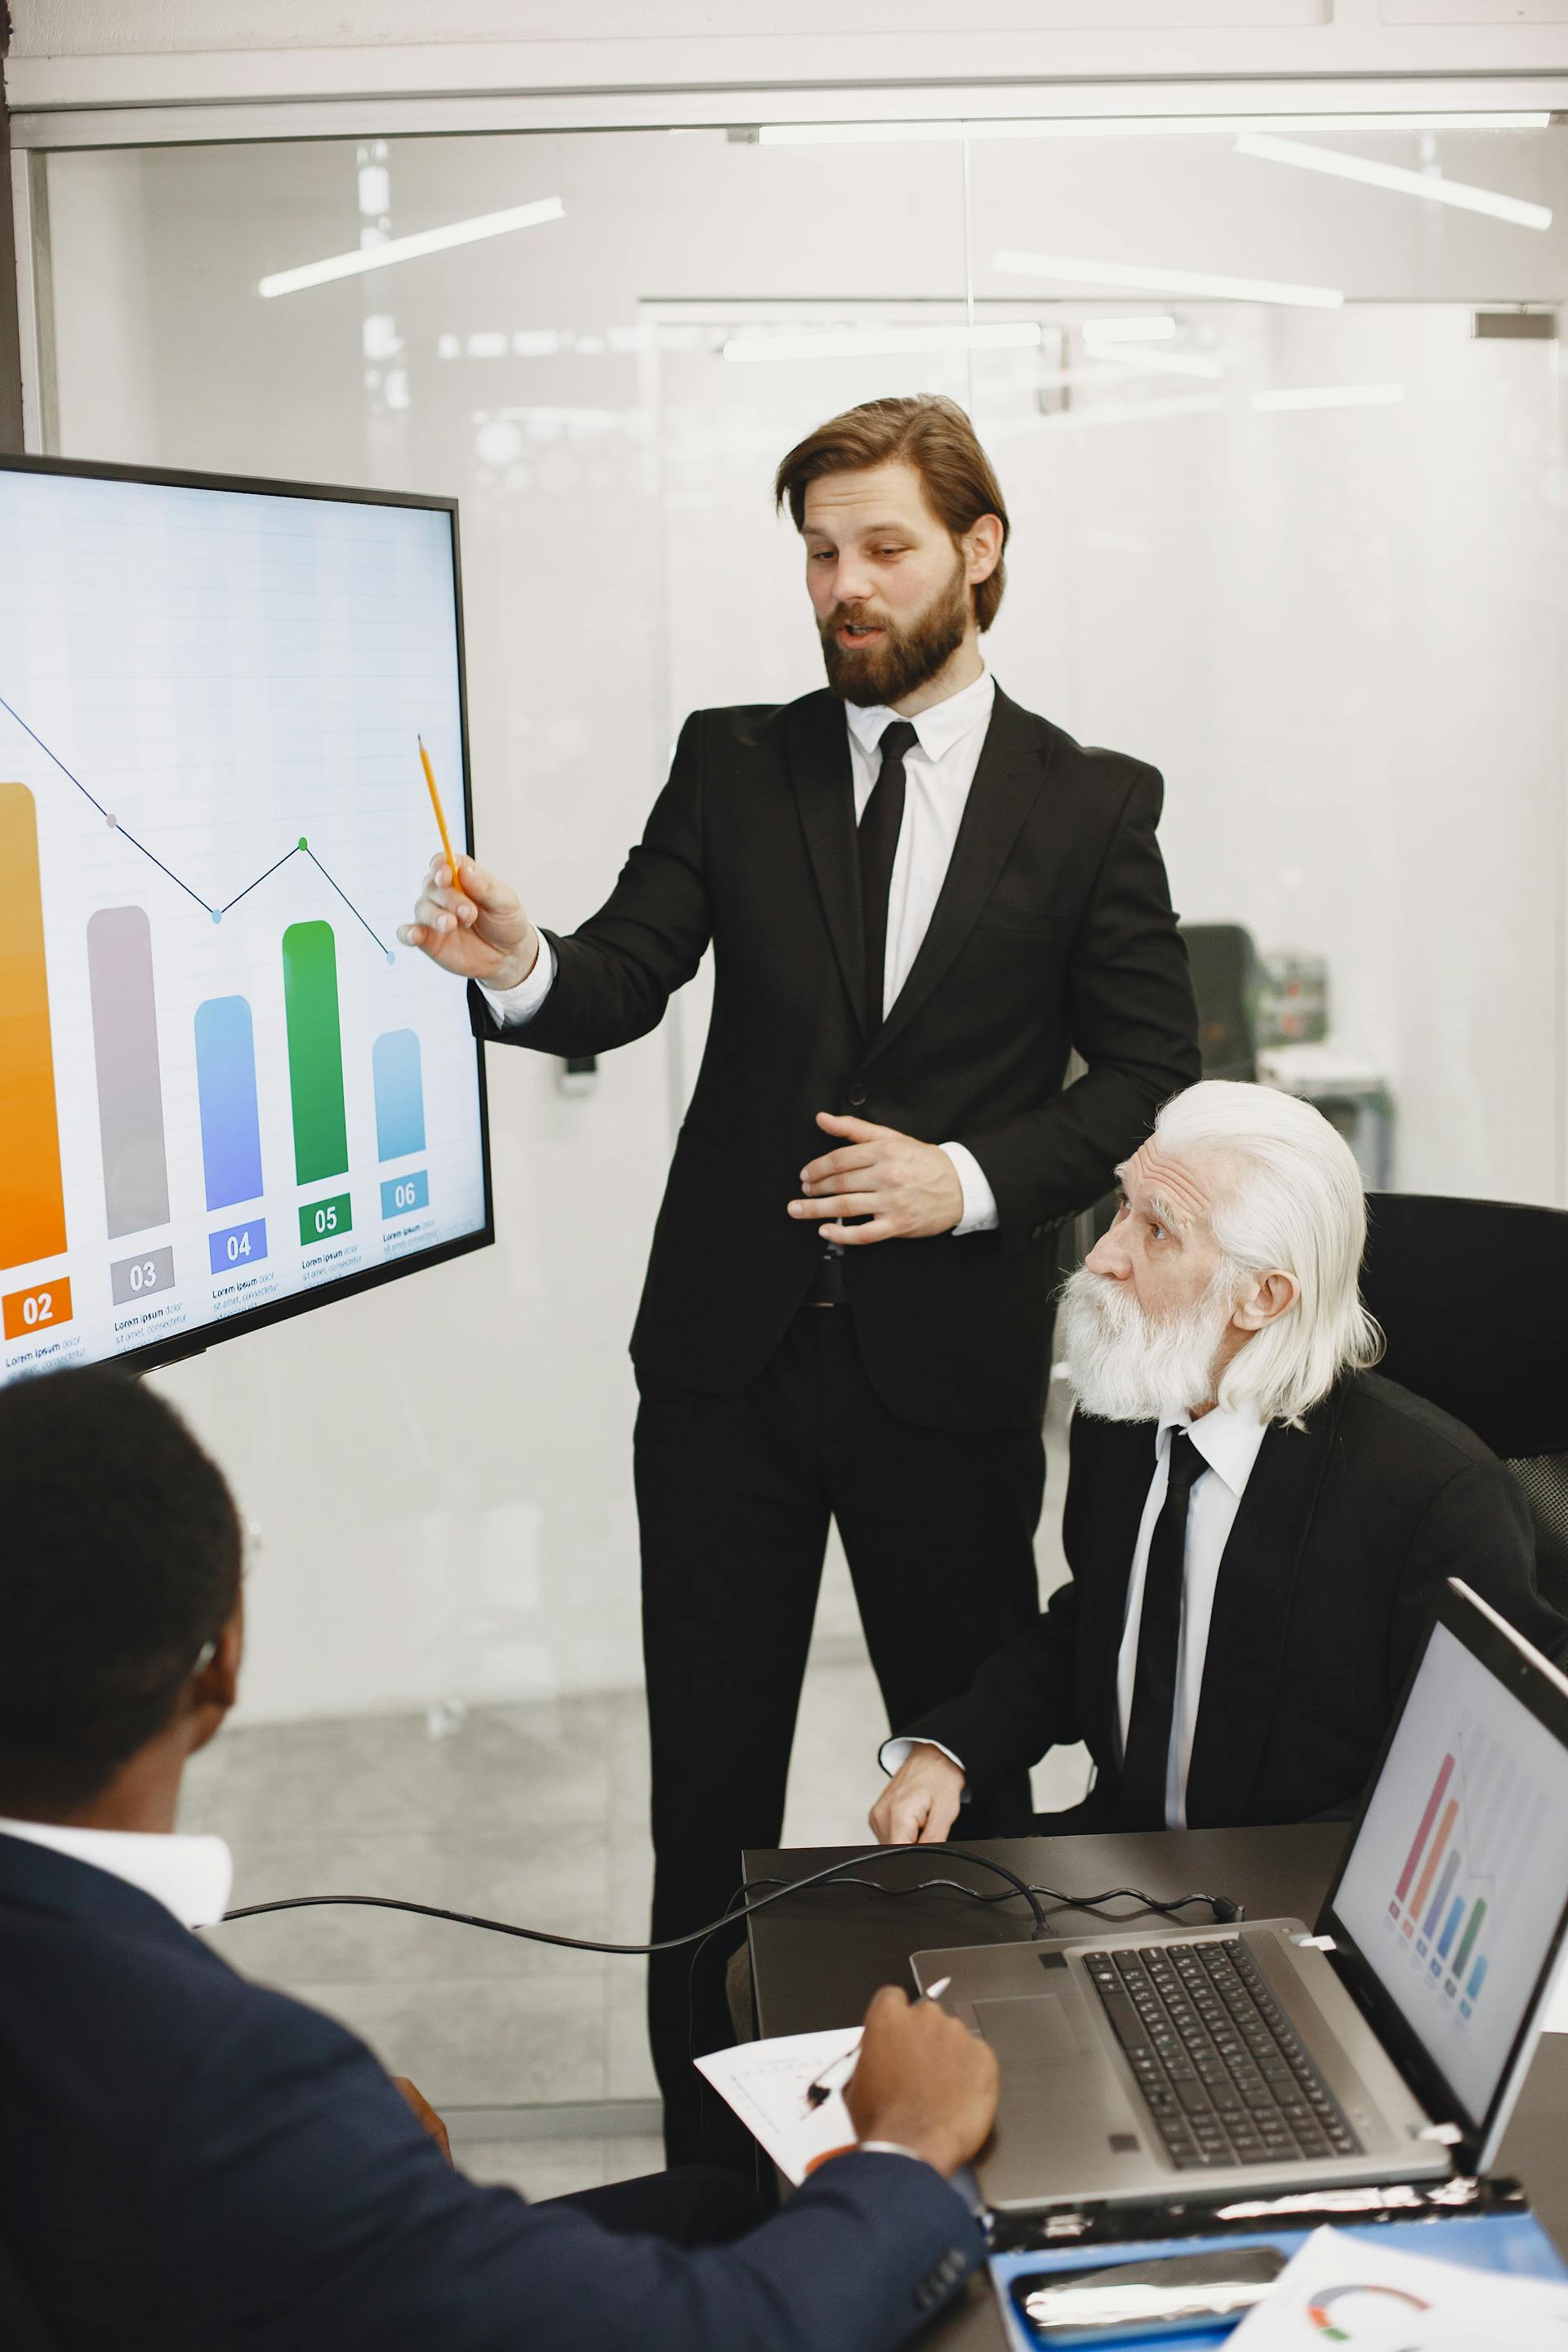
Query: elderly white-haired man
[(1257, 1524)]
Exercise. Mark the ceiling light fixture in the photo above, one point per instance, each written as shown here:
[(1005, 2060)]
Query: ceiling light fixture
[(1330, 395), (1393, 176), (1130, 126), (864, 343), (411, 249), (1150, 280)]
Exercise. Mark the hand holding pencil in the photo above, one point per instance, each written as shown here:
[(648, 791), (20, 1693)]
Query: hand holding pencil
[(468, 921)]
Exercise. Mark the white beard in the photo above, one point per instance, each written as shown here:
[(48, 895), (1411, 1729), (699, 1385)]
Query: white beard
[(1122, 1364)]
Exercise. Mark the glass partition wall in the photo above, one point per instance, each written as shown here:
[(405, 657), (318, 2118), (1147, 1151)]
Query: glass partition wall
[(1277, 411)]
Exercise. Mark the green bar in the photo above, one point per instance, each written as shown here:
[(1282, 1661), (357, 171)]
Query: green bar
[(1462, 1956), (315, 1052), (326, 1221)]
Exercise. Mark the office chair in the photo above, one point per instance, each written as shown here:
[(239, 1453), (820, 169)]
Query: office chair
[(1464, 1291), (21, 2330), (1223, 965)]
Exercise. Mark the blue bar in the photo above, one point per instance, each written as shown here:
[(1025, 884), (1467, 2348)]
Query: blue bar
[(399, 1094), (225, 1082), (237, 1246), (401, 1195), (1478, 1977), (1445, 1888), (1452, 1921)]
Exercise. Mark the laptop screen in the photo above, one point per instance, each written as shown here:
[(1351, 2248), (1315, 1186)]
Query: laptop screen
[(1454, 1890)]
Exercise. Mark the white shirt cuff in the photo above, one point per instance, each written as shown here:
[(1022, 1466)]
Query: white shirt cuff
[(510, 1005), (892, 1753), (978, 1201)]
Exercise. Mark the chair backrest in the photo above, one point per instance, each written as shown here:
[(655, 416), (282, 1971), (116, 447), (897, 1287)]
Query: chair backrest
[(1466, 1292), (21, 2330), (1224, 964)]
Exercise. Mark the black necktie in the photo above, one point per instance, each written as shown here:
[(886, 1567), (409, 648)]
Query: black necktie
[(1143, 1767), (879, 838)]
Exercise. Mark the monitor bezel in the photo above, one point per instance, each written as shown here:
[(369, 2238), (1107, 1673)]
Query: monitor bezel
[(1542, 1689), (180, 1346)]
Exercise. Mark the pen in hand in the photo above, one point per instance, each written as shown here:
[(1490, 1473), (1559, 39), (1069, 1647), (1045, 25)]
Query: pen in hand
[(832, 2079)]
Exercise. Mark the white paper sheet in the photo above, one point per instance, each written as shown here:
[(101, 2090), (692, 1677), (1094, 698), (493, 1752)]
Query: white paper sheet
[(766, 2083), (1342, 2290)]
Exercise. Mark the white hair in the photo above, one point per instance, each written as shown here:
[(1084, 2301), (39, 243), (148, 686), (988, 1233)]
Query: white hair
[(1291, 1201)]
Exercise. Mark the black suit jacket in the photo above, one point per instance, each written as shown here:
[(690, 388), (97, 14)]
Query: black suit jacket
[(1053, 930), (191, 2164), (1344, 1538)]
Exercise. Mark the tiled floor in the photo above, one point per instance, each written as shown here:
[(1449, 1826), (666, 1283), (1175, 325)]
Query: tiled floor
[(534, 1813)]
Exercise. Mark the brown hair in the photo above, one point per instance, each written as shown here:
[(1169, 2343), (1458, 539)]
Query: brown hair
[(927, 432)]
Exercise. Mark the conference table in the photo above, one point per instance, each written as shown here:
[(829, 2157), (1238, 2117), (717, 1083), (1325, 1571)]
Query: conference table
[(819, 1956)]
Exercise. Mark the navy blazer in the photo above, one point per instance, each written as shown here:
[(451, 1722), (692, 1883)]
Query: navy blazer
[(190, 2162)]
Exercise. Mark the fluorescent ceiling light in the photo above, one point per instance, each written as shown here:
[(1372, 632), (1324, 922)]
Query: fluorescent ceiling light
[(1119, 412), (1331, 395), (861, 343), (1163, 281), (1436, 190), (1156, 329), (1130, 126), (410, 248)]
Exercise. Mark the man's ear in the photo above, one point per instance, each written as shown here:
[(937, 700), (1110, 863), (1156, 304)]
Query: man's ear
[(983, 548), (215, 1687), (1271, 1295)]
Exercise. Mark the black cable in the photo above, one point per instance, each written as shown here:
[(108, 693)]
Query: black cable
[(640, 1952), (1219, 1905), (1225, 1912)]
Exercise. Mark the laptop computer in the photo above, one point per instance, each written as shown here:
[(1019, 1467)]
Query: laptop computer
[(1388, 2045)]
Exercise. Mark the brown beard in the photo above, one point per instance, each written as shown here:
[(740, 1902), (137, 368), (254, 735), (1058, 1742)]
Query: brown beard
[(907, 657)]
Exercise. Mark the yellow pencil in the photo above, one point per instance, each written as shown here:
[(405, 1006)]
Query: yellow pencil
[(436, 805)]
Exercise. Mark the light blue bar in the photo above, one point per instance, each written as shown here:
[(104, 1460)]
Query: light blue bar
[(399, 1094), (1454, 1917), (401, 1195), (1445, 1887), (1478, 1977), (225, 1082), (237, 1246)]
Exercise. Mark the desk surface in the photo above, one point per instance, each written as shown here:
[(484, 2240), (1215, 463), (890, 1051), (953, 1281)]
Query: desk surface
[(818, 1958)]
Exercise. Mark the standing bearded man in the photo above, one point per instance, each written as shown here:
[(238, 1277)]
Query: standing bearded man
[(920, 899)]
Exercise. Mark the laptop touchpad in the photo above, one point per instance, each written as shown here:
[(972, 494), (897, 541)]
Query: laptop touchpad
[(1039, 2026)]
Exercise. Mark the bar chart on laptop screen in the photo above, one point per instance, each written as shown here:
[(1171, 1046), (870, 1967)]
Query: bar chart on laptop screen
[(225, 1084), (1455, 1886)]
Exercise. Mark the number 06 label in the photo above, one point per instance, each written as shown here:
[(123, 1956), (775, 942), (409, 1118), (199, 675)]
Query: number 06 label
[(29, 1312)]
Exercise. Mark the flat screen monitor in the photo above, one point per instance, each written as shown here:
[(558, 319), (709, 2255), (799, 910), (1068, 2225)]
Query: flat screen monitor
[(227, 1095)]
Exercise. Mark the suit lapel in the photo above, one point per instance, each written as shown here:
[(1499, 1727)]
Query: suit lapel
[(1008, 781), (816, 739), (1123, 1465), (1251, 1616)]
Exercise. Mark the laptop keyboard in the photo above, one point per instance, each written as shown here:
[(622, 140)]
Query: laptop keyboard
[(1219, 2067)]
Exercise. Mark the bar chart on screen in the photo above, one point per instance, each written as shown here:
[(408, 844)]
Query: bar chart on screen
[(1478, 1826), (222, 1084)]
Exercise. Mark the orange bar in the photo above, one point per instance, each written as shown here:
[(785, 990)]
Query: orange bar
[(29, 1312), (32, 1204), (1450, 1815)]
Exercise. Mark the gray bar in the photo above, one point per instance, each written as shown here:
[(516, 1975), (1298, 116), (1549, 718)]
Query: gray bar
[(129, 1087), (137, 1278)]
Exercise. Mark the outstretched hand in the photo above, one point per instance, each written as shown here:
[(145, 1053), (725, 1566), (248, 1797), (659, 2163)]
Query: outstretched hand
[(904, 1188), (473, 924)]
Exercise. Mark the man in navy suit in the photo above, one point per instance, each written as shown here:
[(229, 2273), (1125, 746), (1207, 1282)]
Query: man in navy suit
[(187, 2160)]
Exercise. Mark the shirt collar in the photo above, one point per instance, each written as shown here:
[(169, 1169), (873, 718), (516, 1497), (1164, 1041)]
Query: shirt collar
[(1229, 1442), (190, 1876), (936, 729)]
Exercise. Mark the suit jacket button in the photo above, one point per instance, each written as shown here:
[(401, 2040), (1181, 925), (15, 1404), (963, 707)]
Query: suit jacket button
[(855, 1097)]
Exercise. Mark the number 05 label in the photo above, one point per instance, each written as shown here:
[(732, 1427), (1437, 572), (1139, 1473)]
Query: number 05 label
[(29, 1312)]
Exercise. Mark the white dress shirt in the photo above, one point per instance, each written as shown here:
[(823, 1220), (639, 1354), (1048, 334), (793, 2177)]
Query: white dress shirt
[(938, 772), (1229, 1442), (190, 1876)]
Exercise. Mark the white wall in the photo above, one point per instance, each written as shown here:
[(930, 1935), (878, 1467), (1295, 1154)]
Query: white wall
[(1339, 634)]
